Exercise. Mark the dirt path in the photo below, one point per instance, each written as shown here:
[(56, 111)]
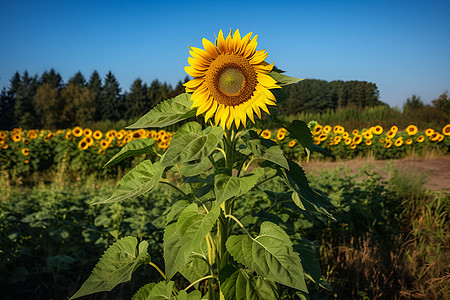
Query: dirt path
[(437, 170)]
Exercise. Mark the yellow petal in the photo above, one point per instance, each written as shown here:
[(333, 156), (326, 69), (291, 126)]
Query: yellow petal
[(267, 81), (244, 42), (194, 83), (251, 47), (200, 58), (228, 44), (197, 65), (210, 48), (249, 112), (267, 94), (225, 115), (256, 109), (204, 106), (221, 46), (193, 72), (230, 118), (200, 52), (237, 118), (218, 114), (242, 116), (258, 57), (263, 67), (236, 41), (210, 112)]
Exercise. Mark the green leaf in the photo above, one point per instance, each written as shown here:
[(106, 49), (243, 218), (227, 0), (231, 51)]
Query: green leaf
[(296, 179), (193, 226), (151, 291), (241, 285), (196, 266), (134, 147), (174, 258), (310, 261), (270, 255), (194, 295), (140, 180), (263, 148), (190, 143), (116, 266), (226, 187), (183, 237), (284, 79), (166, 113), (301, 132)]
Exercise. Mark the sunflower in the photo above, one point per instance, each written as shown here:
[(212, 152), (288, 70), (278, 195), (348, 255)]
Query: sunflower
[(434, 137), (391, 134), (368, 142), (398, 142), (32, 134), (348, 141), (281, 134), (368, 135), (355, 132), (87, 132), (231, 79), (97, 134), (382, 140), (441, 137), (111, 133), (322, 137), (317, 130), (429, 132), (26, 151), (353, 146), (77, 131), (388, 144), (357, 139), (68, 135), (411, 129), (266, 134), (26, 161), (16, 137), (83, 145), (409, 141), (291, 144), (446, 129), (104, 144), (338, 129), (337, 139), (394, 129), (420, 139), (345, 135), (377, 130), (326, 129)]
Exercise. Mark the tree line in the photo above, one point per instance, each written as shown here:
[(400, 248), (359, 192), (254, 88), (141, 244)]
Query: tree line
[(47, 102)]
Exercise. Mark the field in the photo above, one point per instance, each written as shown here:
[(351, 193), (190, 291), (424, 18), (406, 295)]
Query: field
[(390, 240)]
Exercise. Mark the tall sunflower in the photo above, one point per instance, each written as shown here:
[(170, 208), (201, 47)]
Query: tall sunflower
[(230, 79)]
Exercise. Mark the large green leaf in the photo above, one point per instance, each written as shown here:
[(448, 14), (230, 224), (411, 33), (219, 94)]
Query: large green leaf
[(270, 255), (159, 291), (186, 235), (134, 147), (301, 132), (263, 148), (241, 285), (116, 266), (167, 113), (190, 143), (193, 226), (284, 79), (140, 180), (306, 198)]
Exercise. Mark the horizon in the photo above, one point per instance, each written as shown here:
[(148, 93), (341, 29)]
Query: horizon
[(402, 47)]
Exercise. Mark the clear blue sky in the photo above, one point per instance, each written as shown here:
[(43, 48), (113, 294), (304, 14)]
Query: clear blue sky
[(402, 46)]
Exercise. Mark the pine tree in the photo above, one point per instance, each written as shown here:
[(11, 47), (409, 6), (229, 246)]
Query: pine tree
[(136, 99), (48, 105), (24, 110), (52, 78), (78, 79), (95, 87), (111, 99)]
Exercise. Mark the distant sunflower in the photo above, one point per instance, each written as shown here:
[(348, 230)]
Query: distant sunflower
[(317, 130), (326, 129), (411, 129), (230, 79), (355, 132), (353, 146), (420, 139), (429, 132), (25, 151), (388, 144), (357, 139), (409, 141), (446, 129), (368, 142), (97, 134), (281, 134), (292, 143), (266, 134), (398, 142), (348, 141), (377, 130), (77, 131)]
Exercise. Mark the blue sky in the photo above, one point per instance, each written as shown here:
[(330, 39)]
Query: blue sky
[(402, 46)]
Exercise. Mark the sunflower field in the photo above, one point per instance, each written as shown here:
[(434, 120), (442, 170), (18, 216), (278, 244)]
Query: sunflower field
[(79, 151)]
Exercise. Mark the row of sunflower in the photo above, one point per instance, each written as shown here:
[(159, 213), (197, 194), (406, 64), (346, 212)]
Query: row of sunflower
[(78, 150), (375, 141), (85, 150)]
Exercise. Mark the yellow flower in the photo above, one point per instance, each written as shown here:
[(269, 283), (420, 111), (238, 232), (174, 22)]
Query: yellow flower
[(409, 141), (87, 132), (382, 141), (435, 136), (266, 134), (292, 143), (348, 141), (77, 131), (111, 133), (377, 130), (97, 134), (398, 142), (317, 129), (388, 144), (368, 135), (137, 134), (26, 161), (345, 135), (337, 139), (338, 129), (322, 137), (391, 134), (32, 134), (25, 151), (16, 137), (429, 132), (83, 145), (326, 129), (441, 137), (355, 132), (420, 139), (394, 129), (231, 80), (368, 142), (446, 129), (411, 129), (357, 139), (281, 134), (68, 135), (353, 146), (104, 144)]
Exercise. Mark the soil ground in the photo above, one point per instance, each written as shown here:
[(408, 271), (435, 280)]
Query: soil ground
[(437, 170)]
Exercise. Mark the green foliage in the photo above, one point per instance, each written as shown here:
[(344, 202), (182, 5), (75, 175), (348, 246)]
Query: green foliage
[(117, 265), (132, 148)]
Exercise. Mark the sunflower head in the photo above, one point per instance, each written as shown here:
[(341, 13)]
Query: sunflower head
[(231, 80)]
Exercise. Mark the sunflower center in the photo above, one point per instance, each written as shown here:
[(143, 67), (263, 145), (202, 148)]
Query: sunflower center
[(231, 79)]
